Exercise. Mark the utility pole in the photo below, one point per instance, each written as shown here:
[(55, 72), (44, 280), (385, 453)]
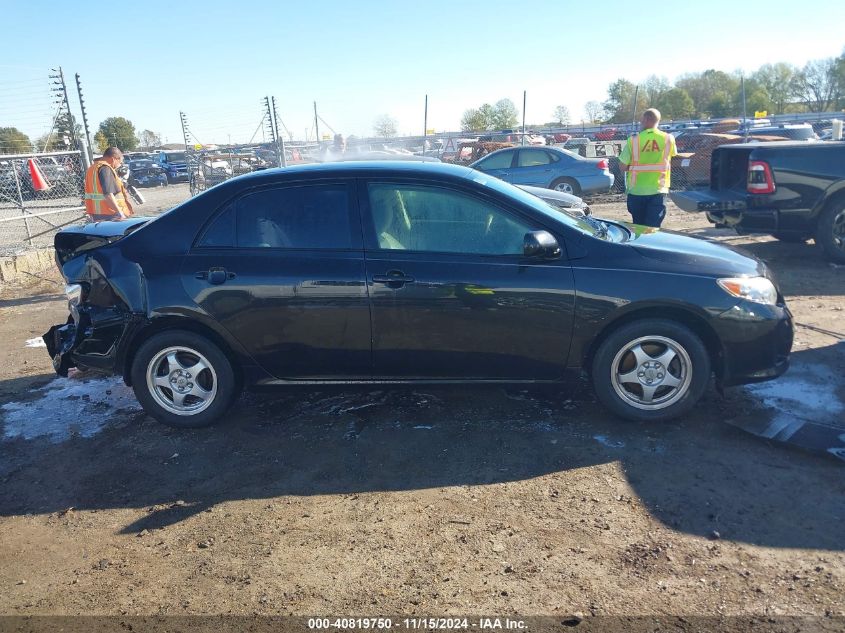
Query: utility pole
[(61, 91), (524, 101), (185, 130), (280, 139), (268, 117), (744, 113), (316, 124), (425, 124), (90, 152), (634, 111)]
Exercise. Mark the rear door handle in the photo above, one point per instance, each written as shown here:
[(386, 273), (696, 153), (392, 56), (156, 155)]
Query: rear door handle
[(215, 276), (394, 278)]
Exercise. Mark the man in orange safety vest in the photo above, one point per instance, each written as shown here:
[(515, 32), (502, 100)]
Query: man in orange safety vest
[(646, 160), (105, 196)]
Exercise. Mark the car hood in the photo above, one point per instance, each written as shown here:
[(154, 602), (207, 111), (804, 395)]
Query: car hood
[(697, 255)]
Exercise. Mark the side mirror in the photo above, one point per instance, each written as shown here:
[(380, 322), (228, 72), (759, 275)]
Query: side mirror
[(541, 244)]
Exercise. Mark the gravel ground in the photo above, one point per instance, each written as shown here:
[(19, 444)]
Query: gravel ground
[(423, 501)]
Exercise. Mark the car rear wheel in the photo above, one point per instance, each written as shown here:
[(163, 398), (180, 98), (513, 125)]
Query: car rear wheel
[(182, 379), (567, 185), (651, 370), (830, 231)]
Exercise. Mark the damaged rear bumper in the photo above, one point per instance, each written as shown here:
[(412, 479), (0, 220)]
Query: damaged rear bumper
[(96, 339)]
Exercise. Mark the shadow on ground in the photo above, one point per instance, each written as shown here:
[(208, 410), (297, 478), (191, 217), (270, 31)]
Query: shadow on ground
[(695, 475)]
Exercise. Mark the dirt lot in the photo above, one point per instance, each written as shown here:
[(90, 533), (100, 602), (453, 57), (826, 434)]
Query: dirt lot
[(435, 501)]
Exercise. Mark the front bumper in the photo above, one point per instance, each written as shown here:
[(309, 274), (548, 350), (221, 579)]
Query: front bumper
[(756, 342)]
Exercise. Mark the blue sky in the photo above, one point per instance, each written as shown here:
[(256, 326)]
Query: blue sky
[(216, 60)]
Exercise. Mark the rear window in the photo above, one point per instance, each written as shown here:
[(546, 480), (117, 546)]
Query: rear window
[(304, 217)]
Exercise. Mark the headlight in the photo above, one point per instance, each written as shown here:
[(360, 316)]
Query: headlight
[(74, 293), (756, 289)]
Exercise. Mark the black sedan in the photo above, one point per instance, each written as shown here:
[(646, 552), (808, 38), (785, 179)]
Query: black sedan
[(145, 173), (391, 272)]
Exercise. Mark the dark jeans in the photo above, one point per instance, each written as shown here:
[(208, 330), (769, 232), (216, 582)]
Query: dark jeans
[(647, 210)]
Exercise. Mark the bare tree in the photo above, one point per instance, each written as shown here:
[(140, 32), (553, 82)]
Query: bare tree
[(818, 84), (149, 139), (593, 110), (385, 126), (561, 115)]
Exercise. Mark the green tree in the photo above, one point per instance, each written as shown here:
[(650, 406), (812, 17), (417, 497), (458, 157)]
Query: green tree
[(819, 85), (472, 121), (561, 115), (101, 141), (119, 132), (620, 107), (712, 87), (778, 82), (653, 88), (13, 141), (385, 126), (719, 106), (675, 104), (505, 115)]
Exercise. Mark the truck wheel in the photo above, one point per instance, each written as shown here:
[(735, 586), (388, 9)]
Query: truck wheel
[(182, 379), (830, 231), (651, 370)]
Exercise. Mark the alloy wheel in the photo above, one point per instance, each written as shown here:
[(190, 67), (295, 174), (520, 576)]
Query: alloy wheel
[(651, 372), (181, 380)]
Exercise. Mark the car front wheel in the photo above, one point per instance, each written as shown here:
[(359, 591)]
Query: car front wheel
[(182, 379), (651, 370)]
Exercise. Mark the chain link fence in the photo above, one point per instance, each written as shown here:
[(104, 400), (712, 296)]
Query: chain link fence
[(39, 194)]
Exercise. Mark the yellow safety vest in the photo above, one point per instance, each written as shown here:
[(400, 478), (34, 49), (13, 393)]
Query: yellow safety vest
[(651, 154), (95, 199)]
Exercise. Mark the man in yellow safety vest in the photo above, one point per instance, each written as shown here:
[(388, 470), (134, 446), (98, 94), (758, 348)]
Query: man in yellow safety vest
[(105, 195), (646, 160)]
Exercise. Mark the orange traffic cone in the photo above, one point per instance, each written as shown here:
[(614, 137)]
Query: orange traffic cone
[(39, 183)]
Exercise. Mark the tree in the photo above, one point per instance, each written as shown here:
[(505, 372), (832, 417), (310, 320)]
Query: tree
[(710, 87), (473, 121), (819, 84), (13, 141), (593, 110), (150, 139), (505, 115), (620, 106), (385, 126), (561, 115), (653, 89), (101, 141), (118, 132), (778, 80), (675, 104)]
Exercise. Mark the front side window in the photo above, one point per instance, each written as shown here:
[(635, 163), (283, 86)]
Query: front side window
[(438, 220), (301, 217)]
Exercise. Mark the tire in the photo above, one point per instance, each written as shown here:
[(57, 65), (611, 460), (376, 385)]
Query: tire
[(624, 367), (161, 373), (830, 231), (567, 185), (791, 238)]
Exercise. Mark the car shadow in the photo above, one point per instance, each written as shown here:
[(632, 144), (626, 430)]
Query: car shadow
[(697, 475), (30, 300)]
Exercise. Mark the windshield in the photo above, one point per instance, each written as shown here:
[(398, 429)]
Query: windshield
[(140, 164), (553, 213), (176, 157)]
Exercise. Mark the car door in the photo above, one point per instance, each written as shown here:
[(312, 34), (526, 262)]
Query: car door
[(282, 269), (533, 167), (452, 295), (497, 164)]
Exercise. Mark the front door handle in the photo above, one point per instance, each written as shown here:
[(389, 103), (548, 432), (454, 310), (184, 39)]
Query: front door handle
[(393, 278)]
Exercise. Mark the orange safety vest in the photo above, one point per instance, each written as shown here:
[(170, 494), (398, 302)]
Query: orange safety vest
[(648, 172), (95, 199)]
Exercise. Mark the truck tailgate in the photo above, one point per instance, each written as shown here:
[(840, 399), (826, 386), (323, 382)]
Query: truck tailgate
[(709, 200)]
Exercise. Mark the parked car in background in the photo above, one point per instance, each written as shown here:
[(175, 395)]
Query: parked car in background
[(549, 167), (559, 199), (174, 164), (407, 273), (791, 131), (145, 173), (792, 190)]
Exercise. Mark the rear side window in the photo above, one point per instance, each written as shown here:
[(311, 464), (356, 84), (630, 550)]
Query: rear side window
[(501, 160), (305, 217)]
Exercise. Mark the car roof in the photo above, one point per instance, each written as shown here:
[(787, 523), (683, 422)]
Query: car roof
[(362, 168)]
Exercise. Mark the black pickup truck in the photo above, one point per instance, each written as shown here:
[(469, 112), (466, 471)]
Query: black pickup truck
[(792, 190)]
